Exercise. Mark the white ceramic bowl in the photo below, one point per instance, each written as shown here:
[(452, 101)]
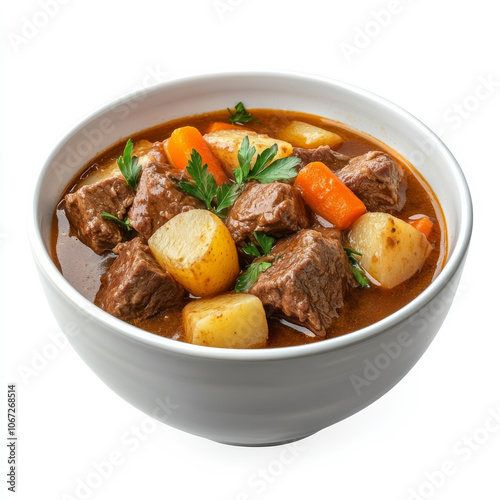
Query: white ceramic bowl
[(253, 397)]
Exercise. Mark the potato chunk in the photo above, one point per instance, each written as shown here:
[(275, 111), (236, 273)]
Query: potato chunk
[(225, 145), (197, 249), (105, 171), (110, 168), (234, 320), (305, 135), (393, 251)]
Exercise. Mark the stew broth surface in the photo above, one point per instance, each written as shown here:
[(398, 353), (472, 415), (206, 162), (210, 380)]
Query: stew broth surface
[(83, 268)]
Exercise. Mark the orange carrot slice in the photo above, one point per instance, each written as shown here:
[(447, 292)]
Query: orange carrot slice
[(424, 225), (180, 146), (323, 191), (216, 126)]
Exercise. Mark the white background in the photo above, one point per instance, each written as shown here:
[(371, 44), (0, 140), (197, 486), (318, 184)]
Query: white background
[(431, 58)]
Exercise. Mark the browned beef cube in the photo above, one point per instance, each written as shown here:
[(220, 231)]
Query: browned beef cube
[(135, 286), (329, 232), (158, 199), (377, 180), (85, 206), (147, 153), (325, 154), (275, 208), (307, 280)]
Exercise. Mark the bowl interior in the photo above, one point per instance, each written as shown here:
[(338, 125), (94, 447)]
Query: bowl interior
[(354, 107)]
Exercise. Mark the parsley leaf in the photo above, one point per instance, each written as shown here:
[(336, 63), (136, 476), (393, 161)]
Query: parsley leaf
[(357, 270), (245, 156), (128, 166), (266, 242), (124, 223), (205, 188), (351, 251), (246, 280), (226, 196), (263, 170), (240, 115), (251, 249), (263, 160), (281, 169)]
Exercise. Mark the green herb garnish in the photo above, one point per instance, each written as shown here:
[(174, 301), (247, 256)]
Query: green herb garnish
[(251, 249), (240, 115), (250, 276), (124, 223), (128, 166), (265, 242), (357, 270), (226, 195), (245, 156), (205, 188), (265, 170)]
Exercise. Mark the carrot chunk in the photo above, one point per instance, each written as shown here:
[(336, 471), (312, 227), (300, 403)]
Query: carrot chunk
[(216, 126), (424, 225), (326, 195), (180, 146)]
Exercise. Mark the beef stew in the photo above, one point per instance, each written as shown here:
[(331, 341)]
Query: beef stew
[(306, 280)]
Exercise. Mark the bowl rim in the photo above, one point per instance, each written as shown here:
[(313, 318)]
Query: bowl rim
[(117, 326)]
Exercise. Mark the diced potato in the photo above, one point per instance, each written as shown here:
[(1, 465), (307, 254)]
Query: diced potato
[(110, 168), (393, 251), (305, 135), (233, 320), (225, 145), (197, 249)]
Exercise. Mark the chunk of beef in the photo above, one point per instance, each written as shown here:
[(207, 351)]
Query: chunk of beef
[(325, 154), (275, 208), (147, 153), (158, 199), (85, 206), (307, 281), (377, 180), (328, 232), (135, 286)]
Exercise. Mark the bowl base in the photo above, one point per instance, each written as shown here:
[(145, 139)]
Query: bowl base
[(272, 443)]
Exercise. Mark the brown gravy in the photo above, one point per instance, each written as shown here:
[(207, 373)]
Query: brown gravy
[(83, 268)]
